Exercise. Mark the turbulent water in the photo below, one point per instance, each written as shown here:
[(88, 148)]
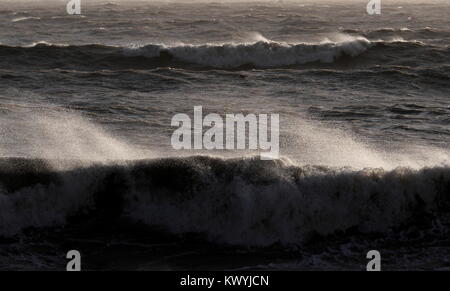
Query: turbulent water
[(86, 103)]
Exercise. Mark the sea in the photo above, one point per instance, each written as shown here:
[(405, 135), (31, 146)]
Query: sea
[(86, 160)]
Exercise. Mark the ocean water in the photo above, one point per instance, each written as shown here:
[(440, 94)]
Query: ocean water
[(86, 103)]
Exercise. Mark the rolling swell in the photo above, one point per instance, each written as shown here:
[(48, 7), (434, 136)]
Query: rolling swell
[(236, 201), (262, 54)]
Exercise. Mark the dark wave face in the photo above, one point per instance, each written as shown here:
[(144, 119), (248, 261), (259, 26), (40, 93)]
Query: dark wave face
[(152, 206)]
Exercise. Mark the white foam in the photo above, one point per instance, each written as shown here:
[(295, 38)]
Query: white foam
[(56, 134), (19, 19)]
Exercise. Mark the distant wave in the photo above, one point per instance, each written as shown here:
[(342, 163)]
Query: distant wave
[(19, 19), (243, 201), (261, 54), (384, 31)]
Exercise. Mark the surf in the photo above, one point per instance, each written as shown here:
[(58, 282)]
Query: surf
[(241, 201)]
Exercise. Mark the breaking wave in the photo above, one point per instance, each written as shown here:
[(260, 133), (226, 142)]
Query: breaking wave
[(242, 201), (260, 54), (19, 19)]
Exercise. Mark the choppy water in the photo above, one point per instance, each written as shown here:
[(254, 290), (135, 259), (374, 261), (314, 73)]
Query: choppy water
[(86, 104)]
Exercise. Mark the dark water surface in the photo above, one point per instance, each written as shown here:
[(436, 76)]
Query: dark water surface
[(85, 110)]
